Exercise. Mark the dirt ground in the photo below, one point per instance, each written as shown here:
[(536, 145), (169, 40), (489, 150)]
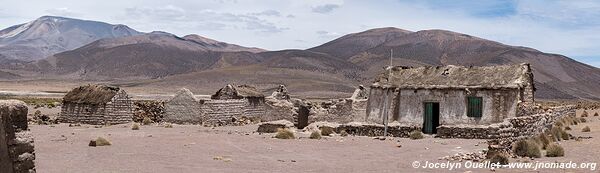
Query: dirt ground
[(187, 148)]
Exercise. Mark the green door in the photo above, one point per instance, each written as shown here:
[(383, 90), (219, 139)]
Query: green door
[(431, 117)]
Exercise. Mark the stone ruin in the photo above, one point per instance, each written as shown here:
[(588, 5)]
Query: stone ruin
[(281, 93), (97, 105), (361, 93), (17, 153)]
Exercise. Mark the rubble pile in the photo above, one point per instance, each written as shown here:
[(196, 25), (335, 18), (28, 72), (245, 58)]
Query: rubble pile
[(152, 109), (472, 156), (272, 126)]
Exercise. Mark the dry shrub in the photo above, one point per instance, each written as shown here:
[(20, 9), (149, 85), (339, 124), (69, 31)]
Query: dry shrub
[(315, 135), (499, 158), (582, 120), (135, 126), (542, 140), (555, 150), (596, 114), (586, 129), (558, 124), (326, 131), (527, 148), (416, 135), (556, 133), (168, 125), (564, 135), (343, 133), (146, 121), (284, 134)]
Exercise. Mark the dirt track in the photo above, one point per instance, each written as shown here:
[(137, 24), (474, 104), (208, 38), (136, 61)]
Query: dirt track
[(228, 149)]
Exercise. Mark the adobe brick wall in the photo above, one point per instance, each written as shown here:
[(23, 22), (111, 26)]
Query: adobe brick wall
[(16, 142)]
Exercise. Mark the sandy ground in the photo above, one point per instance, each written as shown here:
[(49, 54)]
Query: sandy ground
[(188, 148)]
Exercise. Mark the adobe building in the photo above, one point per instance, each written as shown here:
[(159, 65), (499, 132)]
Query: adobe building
[(96, 104), (428, 97)]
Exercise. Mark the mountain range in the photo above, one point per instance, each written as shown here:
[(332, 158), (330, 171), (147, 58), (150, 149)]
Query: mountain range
[(78, 50)]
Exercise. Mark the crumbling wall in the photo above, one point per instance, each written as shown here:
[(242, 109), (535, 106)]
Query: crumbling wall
[(184, 109), (380, 103), (16, 142), (338, 110), (119, 110)]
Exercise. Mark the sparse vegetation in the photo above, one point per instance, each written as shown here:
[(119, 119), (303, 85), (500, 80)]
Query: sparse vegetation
[(135, 126), (586, 129), (315, 135), (416, 135), (343, 133), (556, 133), (168, 125), (542, 140), (582, 120), (584, 114), (555, 150), (527, 148), (499, 158), (596, 114), (284, 134), (558, 124), (326, 131), (146, 121)]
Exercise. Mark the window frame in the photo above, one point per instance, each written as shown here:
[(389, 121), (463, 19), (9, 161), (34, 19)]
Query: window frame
[(474, 108)]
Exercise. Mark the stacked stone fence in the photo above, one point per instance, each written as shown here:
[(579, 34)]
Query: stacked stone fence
[(16, 141)]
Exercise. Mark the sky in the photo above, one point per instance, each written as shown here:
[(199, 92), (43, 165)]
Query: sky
[(569, 27)]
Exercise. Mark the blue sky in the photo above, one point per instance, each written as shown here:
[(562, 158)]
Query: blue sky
[(569, 27)]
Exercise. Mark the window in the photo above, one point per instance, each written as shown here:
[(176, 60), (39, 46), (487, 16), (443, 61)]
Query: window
[(474, 106)]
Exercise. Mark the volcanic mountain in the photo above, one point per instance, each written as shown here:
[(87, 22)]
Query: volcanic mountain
[(48, 35), (163, 60)]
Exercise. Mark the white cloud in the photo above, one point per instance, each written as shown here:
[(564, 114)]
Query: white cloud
[(325, 8), (62, 11)]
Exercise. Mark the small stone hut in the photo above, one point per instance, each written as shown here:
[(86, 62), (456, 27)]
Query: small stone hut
[(96, 104), (184, 108), (429, 97)]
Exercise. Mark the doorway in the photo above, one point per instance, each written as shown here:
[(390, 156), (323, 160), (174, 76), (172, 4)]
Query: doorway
[(303, 113), (431, 118)]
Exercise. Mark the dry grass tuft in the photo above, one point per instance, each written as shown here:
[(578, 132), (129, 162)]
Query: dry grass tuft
[(135, 126), (315, 135), (499, 158), (284, 134), (168, 125), (146, 121), (586, 129), (343, 133), (416, 135), (326, 131), (555, 150), (527, 148)]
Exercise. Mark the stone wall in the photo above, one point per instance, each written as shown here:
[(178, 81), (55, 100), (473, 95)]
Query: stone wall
[(360, 129), (17, 153), (184, 108), (510, 128), (118, 111), (338, 110)]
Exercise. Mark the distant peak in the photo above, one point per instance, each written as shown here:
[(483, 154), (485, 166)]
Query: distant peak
[(162, 33), (199, 38)]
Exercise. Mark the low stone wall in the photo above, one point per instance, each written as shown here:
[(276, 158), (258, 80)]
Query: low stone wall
[(523, 126), (527, 126), (338, 110), (16, 142), (376, 130)]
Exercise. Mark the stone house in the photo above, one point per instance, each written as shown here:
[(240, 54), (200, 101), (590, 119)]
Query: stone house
[(429, 97), (96, 104)]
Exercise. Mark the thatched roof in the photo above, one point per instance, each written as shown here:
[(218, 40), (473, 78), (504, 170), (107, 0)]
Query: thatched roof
[(240, 91), (440, 77), (91, 94)]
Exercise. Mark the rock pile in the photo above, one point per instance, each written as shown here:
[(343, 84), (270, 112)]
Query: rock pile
[(272, 126), (475, 157), (16, 141), (151, 109)]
